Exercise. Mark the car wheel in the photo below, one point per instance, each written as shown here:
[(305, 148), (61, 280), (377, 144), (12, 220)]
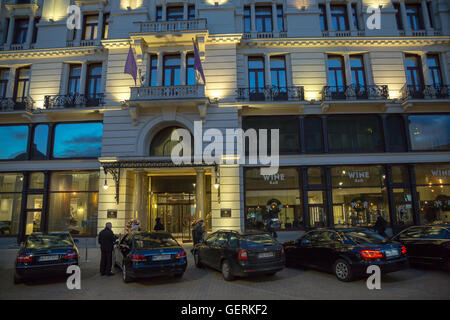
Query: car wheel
[(126, 278), (226, 271), (342, 270), (198, 263)]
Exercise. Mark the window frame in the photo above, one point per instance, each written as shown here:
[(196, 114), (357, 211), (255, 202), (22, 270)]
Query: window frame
[(172, 69)]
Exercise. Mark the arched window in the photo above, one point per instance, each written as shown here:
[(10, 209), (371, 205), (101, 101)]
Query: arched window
[(162, 145)]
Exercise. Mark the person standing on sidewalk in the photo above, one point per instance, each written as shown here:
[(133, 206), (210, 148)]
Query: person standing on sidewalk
[(106, 239)]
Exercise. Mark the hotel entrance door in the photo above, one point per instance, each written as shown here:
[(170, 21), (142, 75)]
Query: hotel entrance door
[(176, 212)]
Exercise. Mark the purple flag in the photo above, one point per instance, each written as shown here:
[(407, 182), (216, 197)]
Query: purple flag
[(198, 62), (130, 66)]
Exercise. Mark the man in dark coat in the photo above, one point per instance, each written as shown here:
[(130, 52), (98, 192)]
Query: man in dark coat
[(158, 225), (106, 239), (380, 225), (198, 232)]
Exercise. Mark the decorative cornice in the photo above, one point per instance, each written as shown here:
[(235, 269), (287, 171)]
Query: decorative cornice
[(50, 53), (225, 38)]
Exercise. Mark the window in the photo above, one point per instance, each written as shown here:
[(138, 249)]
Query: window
[(105, 28), (429, 132), (396, 134), (22, 85), (280, 18), (414, 75), (40, 141), (336, 75), (398, 16), (20, 31), (339, 17), (358, 74), (256, 77), (94, 80), (4, 76), (402, 195), (191, 12), (14, 142), (323, 18), (354, 134), (175, 13), (74, 202), (190, 70), (11, 185), (247, 19), (414, 16), (171, 70), (278, 76), (78, 140), (162, 144), (355, 16), (313, 134), (90, 27), (263, 19), (73, 85), (434, 70), (158, 14), (35, 29), (153, 70)]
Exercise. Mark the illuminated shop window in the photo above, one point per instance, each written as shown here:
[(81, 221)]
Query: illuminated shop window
[(11, 185)]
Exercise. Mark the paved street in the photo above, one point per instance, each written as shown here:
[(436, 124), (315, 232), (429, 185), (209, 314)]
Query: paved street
[(208, 284)]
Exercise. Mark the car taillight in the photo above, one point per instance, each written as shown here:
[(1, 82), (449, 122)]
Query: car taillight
[(138, 258), (70, 255), (181, 254), (403, 250), (371, 254), (23, 258), (282, 251), (243, 255)]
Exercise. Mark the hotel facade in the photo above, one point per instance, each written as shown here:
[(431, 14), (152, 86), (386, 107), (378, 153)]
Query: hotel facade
[(363, 113)]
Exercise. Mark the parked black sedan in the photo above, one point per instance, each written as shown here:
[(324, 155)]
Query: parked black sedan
[(346, 252), (428, 245), (45, 254), (149, 254), (240, 254)]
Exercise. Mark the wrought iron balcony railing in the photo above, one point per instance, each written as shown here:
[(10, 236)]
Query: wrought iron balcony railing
[(74, 101), (425, 92), (265, 35), (19, 104), (12, 2), (170, 26), (168, 92), (355, 92), (271, 93)]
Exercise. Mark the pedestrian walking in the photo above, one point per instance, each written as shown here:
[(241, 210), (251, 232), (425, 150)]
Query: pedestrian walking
[(106, 239), (158, 225), (135, 227), (198, 232), (380, 225)]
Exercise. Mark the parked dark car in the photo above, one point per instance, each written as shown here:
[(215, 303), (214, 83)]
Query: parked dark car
[(240, 254), (149, 254), (428, 245), (346, 252), (44, 255)]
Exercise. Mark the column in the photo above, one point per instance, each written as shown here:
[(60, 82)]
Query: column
[(274, 18), (147, 69), (65, 79), (160, 70), (253, 18), (183, 68), (100, 26), (328, 13), (426, 75), (78, 32), (30, 31), (404, 17), (10, 36), (164, 12), (11, 81), (185, 11), (348, 71), (351, 25), (200, 194), (83, 77), (267, 76), (443, 66), (426, 16), (139, 207)]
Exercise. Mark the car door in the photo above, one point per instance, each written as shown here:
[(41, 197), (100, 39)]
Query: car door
[(433, 239), (411, 239), (219, 249), (123, 249), (207, 248), (323, 249), (301, 252)]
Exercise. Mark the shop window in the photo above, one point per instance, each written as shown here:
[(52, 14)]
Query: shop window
[(359, 195), (288, 131), (317, 208), (316, 176), (313, 134), (11, 185), (40, 140), (275, 197), (429, 132), (78, 140), (396, 134), (354, 134), (162, 144), (433, 188), (402, 195), (74, 202), (14, 142)]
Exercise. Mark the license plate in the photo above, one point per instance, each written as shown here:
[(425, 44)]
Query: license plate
[(391, 253), (48, 258), (265, 255), (162, 257)]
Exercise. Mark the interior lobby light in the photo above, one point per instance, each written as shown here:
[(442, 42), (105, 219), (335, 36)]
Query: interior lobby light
[(106, 185), (216, 185)]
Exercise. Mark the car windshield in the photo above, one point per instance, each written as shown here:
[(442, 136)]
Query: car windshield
[(257, 240), (154, 240), (365, 236), (48, 241)]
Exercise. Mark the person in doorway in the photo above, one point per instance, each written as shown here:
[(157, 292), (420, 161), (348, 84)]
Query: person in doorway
[(135, 227), (271, 228), (380, 225), (158, 225), (106, 239), (198, 232)]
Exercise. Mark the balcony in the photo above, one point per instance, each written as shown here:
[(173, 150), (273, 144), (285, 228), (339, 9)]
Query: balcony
[(354, 92), (264, 35), (172, 26), (271, 94), (68, 101), (428, 92), (194, 92), (18, 2), (21, 104)]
